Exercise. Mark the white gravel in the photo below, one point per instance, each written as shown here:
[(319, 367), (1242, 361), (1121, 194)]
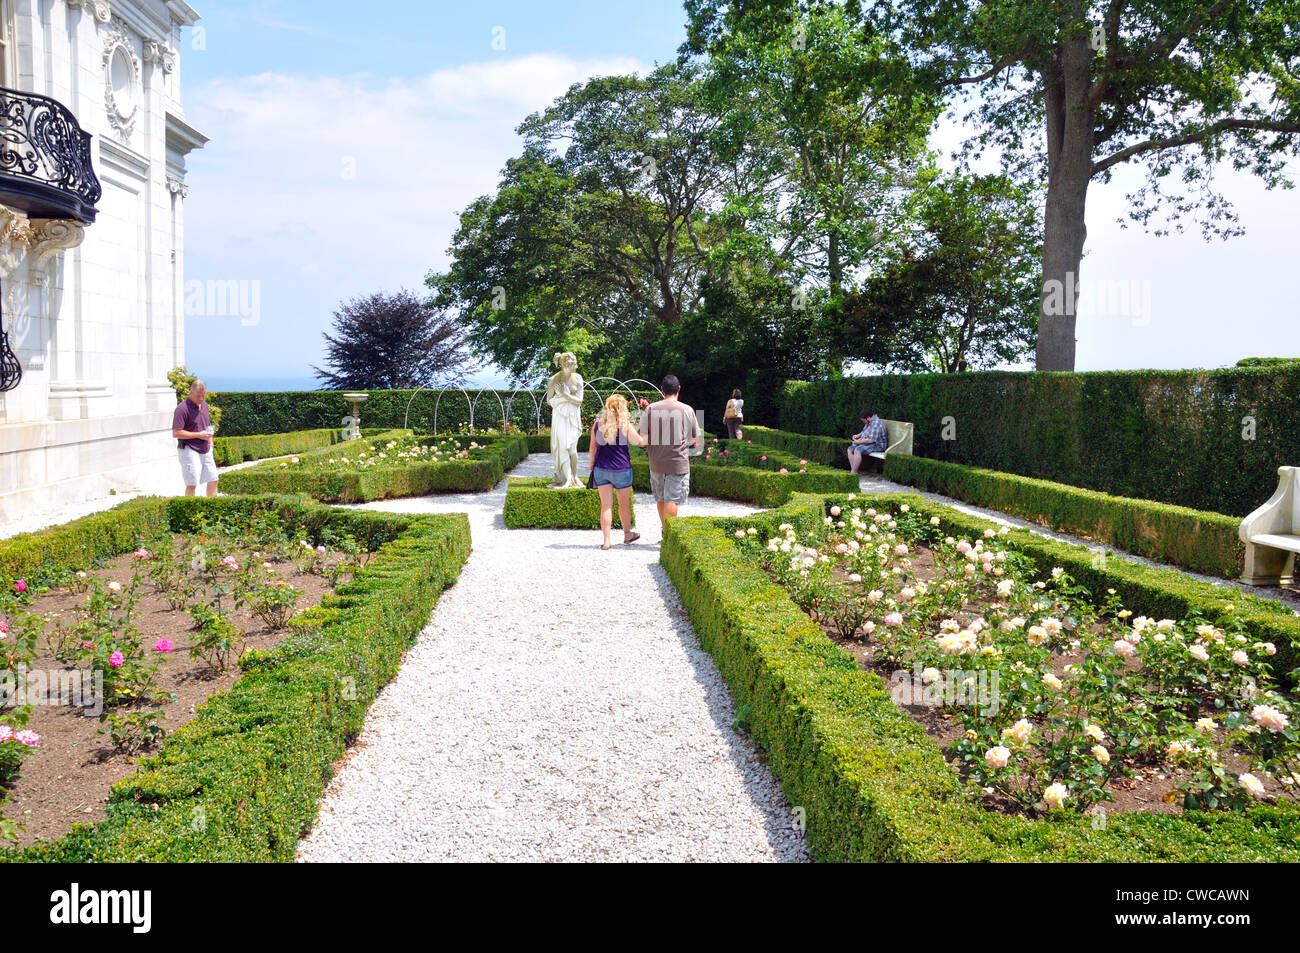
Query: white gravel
[(510, 735)]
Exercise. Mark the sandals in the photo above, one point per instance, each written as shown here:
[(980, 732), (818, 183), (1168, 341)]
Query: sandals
[(631, 539), (605, 546)]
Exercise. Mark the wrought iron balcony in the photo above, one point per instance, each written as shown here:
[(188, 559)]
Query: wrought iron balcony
[(45, 167)]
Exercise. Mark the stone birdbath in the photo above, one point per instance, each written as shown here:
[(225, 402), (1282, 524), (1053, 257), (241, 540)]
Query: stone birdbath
[(352, 422)]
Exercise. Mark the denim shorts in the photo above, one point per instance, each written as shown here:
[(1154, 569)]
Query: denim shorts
[(618, 479)]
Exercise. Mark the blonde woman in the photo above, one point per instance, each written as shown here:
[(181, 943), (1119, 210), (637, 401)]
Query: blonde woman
[(611, 466)]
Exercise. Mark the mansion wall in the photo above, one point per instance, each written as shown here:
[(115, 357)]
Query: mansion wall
[(95, 314)]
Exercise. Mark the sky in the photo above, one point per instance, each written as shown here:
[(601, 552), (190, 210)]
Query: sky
[(346, 138)]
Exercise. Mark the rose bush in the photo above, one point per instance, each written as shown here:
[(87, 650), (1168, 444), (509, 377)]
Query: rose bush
[(1086, 693)]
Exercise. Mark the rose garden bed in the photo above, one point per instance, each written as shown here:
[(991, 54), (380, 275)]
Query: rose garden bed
[(879, 784), (265, 701)]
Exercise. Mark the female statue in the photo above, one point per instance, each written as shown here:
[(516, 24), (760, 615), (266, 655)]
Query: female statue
[(564, 394)]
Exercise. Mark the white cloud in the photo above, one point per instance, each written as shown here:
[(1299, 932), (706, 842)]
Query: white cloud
[(323, 188)]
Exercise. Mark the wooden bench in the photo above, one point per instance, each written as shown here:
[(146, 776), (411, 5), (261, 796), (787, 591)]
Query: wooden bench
[(1271, 534)]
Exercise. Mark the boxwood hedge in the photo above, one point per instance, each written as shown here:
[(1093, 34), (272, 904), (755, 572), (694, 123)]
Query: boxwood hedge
[(242, 781), (231, 450), (532, 504), (873, 785), (1210, 440), (329, 483), (1193, 539)]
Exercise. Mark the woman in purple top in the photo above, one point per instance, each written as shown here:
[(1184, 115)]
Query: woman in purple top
[(611, 466)]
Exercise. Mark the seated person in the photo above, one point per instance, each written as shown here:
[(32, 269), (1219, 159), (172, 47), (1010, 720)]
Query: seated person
[(874, 438)]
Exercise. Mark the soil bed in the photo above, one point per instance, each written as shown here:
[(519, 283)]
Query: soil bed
[(66, 779)]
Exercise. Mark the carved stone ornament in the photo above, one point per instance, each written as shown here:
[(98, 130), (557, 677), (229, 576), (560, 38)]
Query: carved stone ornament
[(155, 51), (121, 80), (177, 186), (101, 9)]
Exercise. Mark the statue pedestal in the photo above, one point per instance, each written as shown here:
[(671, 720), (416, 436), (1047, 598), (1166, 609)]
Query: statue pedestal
[(352, 422)]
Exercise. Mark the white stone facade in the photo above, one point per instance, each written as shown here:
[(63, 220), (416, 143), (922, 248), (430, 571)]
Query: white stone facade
[(95, 315)]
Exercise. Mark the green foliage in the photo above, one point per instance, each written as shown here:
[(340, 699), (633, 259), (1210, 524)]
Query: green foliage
[(1193, 539), (51, 556), (530, 503), (231, 450), (320, 479), (1210, 440), (263, 413), (959, 293), (242, 781), (873, 785)]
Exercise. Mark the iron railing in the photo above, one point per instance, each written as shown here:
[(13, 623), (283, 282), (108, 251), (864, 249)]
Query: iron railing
[(45, 165), (46, 172)]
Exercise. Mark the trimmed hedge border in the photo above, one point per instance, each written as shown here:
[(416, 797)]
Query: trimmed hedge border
[(260, 412), (765, 488), (532, 504), (1193, 539), (242, 782), (874, 786), (476, 475), (826, 451), (231, 450), (1208, 439)]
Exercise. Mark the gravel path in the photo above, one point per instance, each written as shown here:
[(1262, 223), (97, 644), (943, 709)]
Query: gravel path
[(511, 736)]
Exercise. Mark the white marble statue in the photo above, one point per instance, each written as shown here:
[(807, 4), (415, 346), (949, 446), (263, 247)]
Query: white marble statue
[(564, 394)]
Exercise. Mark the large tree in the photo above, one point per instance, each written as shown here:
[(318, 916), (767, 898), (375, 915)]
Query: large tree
[(597, 230), (391, 342), (834, 130), (1071, 89), (960, 291)]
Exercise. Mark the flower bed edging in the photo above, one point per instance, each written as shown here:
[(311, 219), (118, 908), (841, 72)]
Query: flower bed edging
[(531, 503), (1193, 539), (873, 785), (231, 450), (243, 780), (379, 482)]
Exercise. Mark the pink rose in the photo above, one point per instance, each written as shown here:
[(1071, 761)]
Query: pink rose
[(141, 553), (784, 470), (117, 660), (894, 619), (163, 645), (28, 737), (6, 734), (20, 586), (4, 627), (1125, 648)]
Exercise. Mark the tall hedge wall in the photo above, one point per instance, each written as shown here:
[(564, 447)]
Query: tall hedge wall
[(272, 412), (1180, 437)]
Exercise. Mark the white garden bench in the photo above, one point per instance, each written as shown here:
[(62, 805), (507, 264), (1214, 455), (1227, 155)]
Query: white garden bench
[(1271, 534), (900, 438)]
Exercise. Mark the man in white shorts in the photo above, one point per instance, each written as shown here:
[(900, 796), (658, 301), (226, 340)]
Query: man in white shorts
[(671, 429), (192, 428)]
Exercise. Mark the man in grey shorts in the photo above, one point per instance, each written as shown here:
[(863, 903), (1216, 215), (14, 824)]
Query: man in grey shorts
[(672, 430), (192, 428)]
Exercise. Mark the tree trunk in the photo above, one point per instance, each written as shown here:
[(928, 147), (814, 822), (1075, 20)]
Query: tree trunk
[(1070, 120)]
